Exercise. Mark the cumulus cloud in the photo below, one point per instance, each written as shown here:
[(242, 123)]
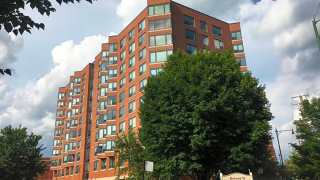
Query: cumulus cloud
[(10, 45), (34, 105)]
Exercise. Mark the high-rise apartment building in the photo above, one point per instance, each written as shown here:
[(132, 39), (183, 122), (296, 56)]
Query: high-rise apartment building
[(102, 100)]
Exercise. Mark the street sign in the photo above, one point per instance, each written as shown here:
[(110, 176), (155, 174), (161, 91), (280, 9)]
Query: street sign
[(148, 166)]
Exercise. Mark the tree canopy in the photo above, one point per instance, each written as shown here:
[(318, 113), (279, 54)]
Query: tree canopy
[(307, 156), (13, 20), (20, 154), (201, 114)]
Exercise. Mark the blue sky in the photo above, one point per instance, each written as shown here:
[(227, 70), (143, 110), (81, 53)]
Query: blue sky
[(278, 39)]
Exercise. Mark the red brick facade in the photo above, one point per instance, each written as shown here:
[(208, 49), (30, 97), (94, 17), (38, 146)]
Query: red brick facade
[(91, 99)]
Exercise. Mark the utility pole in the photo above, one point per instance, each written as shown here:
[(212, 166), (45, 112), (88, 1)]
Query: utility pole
[(300, 108), (314, 22)]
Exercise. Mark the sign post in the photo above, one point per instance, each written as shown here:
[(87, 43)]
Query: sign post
[(148, 166)]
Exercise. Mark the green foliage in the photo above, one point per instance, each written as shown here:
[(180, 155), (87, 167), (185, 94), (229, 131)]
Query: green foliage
[(7, 71), (201, 114), (20, 154), (308, 154), (292, 170), (130, 151), (13, 20)]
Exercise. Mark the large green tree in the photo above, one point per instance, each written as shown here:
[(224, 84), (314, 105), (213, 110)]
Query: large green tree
[(20, 154), (201, 114), (12, 19), (308, 128)]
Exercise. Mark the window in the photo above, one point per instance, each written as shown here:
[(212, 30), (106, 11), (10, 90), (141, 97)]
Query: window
[(160, 40), (104, 54), (155, 72), (103, 92), (132, 91), (191, 35), (113, 60), (142, 54), (75, 112), (74, 122), (59, 114), (72, 146), (123, 55), (68, 115), (122, 111), (70, 94), (103, 105), (71, 170), (78, 156), (95, 165), (188, 20), (112, 100), (65, 159), (61, 141), (80, 121), (77, 169), (55, 152), (159, 9), (83, 88), (79, 144), (60, 95), (77, 80), (82, 98), (142, 39), (122, 82), (111, 114), (205, 40), (111, 130), (69, 105), (132, 106), (110, 145), (122, 96), (113, 47), (54, 163), (122, 42), (242, 61), (191, 49), (142, 69), (58, 123), (54, 172), (104, 66), (71, 157), (236, 35), (59, 173), (218, 44), (60, 104), (160, 56), (67, 136), (102, 118), (80, 132), (99, 74), (142, 25), (122, 68), (56, 142), (142, 84), (131, 34), (57, 132), (132, 47), (112, 73), (97, 137), (81, 109), (216, 31), (71, 85), (159, 24), (132, 122), (122, 127), (62, 131), (102, 133), (59, 163), (66, 147), (99, 62), (104, 78), (132, 61), (103, 164), (203, 26), (111, 162), (75, 101), (67, 171), (238, 48), (73, 134)]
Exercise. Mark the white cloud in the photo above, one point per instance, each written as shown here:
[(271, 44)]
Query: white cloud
[(129, 9), (34, 105), (10, 45)]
